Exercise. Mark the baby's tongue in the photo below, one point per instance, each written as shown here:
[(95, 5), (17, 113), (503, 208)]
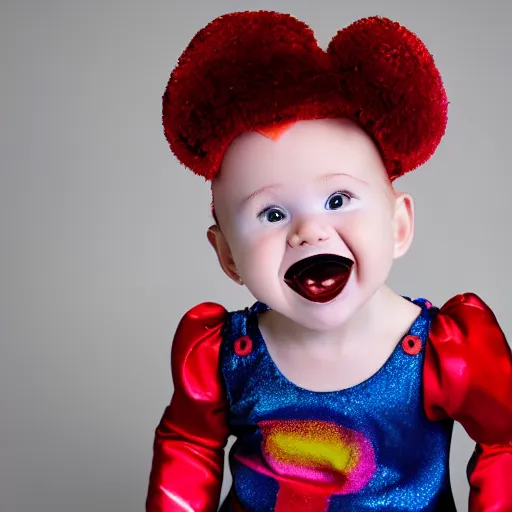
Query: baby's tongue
[(319, 278)]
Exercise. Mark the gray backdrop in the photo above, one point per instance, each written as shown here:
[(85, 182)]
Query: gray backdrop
[(103, 242)]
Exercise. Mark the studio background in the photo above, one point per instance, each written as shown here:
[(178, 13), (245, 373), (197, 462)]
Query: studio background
[(103, 233)]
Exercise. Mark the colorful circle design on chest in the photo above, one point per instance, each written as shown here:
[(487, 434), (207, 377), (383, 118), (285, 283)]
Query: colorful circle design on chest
[(312, 460)]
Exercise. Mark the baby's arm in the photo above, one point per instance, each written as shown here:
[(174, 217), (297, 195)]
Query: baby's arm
[(468, 377), (188, 460)]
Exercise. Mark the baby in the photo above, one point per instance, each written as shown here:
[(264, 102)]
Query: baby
[(341, 393)]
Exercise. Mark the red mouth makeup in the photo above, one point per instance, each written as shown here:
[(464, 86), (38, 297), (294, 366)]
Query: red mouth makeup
[(319, 278)]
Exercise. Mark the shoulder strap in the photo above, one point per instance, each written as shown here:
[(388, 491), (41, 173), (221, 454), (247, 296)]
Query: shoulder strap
[(241, 349)]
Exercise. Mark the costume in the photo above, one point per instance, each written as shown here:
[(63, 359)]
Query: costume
[(381, 445)]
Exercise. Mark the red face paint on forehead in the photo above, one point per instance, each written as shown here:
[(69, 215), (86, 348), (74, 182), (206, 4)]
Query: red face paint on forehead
[(274, 131)]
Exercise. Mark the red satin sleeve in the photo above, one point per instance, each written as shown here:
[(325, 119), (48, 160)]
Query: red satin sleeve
[(188, 458), (468, 377), (490, 478)]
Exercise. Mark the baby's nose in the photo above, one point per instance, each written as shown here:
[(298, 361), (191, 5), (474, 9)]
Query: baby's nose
[(308, 233)]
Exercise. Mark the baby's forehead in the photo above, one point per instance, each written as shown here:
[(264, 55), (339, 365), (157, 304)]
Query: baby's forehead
[(301, 150)]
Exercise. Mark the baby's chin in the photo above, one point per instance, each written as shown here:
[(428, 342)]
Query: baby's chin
[(316, 316)]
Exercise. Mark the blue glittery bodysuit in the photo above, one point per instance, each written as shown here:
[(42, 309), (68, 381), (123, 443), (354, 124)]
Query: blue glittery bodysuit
[(366, 448)]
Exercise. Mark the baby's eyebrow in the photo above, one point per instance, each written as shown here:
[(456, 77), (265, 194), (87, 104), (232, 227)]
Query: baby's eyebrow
[(330, 175), (259, 191)]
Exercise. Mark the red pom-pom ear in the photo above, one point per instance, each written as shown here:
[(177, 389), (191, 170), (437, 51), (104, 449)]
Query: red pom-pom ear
[(231, 77), (395, 87)]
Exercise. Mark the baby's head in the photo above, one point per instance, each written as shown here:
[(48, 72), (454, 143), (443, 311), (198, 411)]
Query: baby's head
[(302, 147), (318, 189)]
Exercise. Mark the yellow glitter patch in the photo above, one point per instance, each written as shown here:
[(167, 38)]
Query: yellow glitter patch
[(312, 443)]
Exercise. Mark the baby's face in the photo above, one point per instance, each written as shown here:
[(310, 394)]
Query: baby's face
[(320, 188)]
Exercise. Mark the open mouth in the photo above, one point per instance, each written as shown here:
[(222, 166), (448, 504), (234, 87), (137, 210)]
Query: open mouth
[(319, 278)]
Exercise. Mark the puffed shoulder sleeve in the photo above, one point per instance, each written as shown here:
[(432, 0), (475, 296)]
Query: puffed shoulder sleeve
[(468, 370), (187, 469), (468, 377)]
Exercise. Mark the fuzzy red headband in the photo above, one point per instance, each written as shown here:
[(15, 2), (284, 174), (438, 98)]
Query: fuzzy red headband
[(252, 69)]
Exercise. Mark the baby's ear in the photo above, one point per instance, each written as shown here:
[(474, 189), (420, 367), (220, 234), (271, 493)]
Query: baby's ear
[(221, 247), (403, 223)]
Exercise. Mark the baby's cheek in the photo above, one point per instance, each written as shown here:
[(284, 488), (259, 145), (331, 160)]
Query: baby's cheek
[(370, 239), (261, 255)]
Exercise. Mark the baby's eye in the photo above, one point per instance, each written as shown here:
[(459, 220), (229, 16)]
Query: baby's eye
[(338, 200), (272, 214)]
